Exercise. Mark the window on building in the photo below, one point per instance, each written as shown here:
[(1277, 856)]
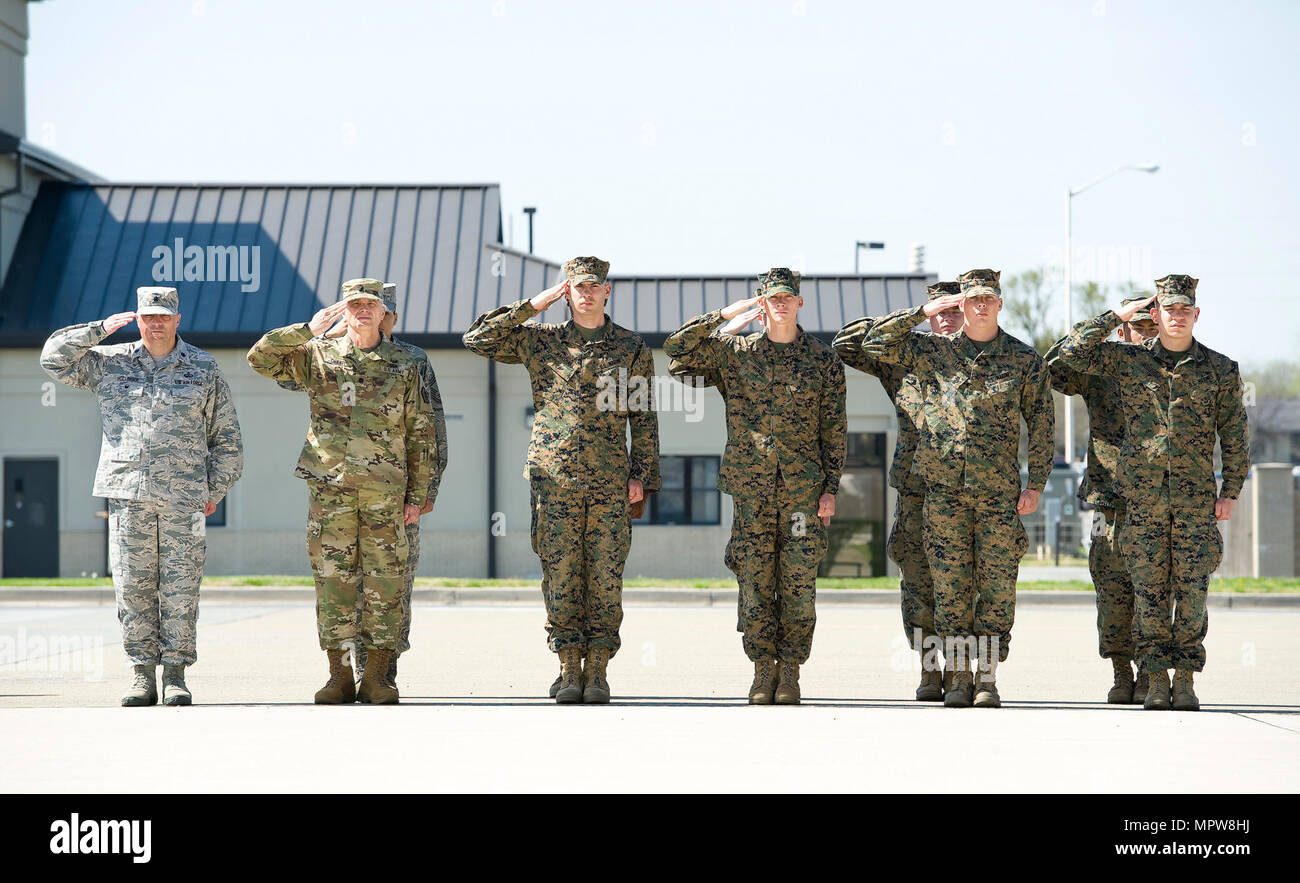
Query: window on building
[(689, 494), (1295, 449)]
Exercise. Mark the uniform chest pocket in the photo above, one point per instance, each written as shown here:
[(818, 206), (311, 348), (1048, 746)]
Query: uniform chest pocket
[(122, 388)]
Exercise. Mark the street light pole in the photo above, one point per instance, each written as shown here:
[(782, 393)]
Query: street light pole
[(857, 249), (1070, 193)]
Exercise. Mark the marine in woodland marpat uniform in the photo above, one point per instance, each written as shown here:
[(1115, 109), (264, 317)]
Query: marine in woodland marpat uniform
[(171, 451), (367, 461), (906, 546), (1110, 579), (975, 388), (591, 381), (1178, 397), (784, 394)]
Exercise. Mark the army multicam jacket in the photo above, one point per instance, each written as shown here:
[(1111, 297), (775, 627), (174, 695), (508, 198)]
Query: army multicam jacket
[(585, 396), (972, 402), (848, 345), (785, 408), (370, 419), (430, 390), (1106, 425), (1174, 405), (170, 430)]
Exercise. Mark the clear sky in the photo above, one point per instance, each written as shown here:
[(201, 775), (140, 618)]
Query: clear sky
[(727, 137)]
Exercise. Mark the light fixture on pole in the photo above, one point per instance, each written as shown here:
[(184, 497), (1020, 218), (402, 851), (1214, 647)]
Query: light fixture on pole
[(857, 248), (1070, 193)]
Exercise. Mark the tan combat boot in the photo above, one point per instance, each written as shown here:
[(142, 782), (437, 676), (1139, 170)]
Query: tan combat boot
[(931, 687), (787, 683), (961, 686), (1140, 686), (596, 688), (1158, 693), (570, 689), (144, 691), (374, 687), (1122, 692), (174, 691), (986, 687), (1184, 697), (761, 691), (340, 688)]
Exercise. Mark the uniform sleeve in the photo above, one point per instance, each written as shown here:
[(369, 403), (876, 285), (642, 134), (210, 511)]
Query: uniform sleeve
[(439, 464), (501, 334), (1230, 420), (644, 457), (1065, 379), (1085, 348), (1040, 416), (693, 376), (225, 444), (848, 346), (281, 355), (69, 359), (834, 426), (418, 422), (695, 347), (890, 339)]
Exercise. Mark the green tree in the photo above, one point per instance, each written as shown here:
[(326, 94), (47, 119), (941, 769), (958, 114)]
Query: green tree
[(1026, 308)]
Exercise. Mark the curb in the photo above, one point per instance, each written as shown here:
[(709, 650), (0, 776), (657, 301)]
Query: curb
[(527, 596)]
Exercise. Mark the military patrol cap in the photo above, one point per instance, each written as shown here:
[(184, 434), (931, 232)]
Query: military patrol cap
[(942, 289), (1176, 289), (153, 300), (778, 279), (358, 288), (586, 269), (1141, 315), (977, 282), (390, 297)]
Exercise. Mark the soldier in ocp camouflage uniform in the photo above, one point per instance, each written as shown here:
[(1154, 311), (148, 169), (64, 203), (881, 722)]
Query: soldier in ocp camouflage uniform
[(976, 386), (906, 546), (1106, 426), (171, 451), (591, 380), (1178, 396), (786, 423), (368, 461)]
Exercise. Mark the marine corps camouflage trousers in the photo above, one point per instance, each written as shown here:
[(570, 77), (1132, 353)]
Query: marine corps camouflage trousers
[(974, 545), (777, 543), (582, 538), (357, 544), (907, 549), (1111, 582), (1171, 547), (156, 552)]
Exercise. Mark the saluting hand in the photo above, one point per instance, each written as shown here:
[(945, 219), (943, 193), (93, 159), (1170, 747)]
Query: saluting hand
[(549, 296), (737, 324), (116, 321), (1126, 312), (732, 310), (321, 322), (947, 302)]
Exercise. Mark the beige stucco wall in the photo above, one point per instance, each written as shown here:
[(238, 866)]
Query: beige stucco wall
[(266, 510)]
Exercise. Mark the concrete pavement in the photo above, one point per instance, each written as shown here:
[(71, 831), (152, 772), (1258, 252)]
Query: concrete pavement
[(474, 716)]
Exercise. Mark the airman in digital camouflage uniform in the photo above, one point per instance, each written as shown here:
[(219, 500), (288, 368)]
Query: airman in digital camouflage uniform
[(1106, 425), (976, 385), (905, 545), (591, 379), (1178, 395), (367, 461), (786, 423), (171, 451)]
